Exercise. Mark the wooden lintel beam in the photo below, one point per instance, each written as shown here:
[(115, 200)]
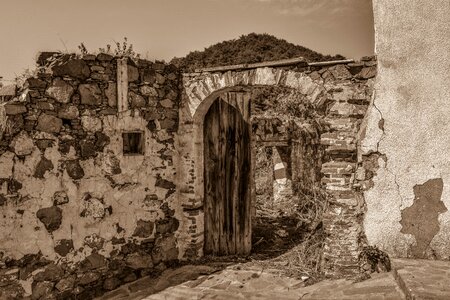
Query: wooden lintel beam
[(276, 63), (331, 62)]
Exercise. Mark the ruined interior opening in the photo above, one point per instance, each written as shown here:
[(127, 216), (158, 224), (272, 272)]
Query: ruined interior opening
[(275, 225), (273, 177)]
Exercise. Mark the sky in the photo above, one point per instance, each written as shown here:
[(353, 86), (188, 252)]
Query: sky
[(162, 29)]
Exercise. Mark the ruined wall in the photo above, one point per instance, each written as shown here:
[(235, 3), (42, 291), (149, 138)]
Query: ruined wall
[(407, 141), (339, 94), (273, 134), (349, 90), (307, 154), (7, 92), (295, 155), (77, 214), (282, 185)]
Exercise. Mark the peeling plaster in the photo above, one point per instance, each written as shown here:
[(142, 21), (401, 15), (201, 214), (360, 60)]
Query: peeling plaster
[(421, 218), (409, 121)]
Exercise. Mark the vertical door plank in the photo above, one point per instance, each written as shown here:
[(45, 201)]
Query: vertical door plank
[(223, 166), (220, 206), (247, 238), (208, 247), (211, 169), (235, 194)]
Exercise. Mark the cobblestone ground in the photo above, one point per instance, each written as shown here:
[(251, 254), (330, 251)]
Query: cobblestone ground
[(411, 279)]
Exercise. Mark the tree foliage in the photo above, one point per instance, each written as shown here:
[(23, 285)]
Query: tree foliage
[(251, 48)]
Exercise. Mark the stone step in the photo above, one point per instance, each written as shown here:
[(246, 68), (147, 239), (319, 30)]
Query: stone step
[(423, 279)]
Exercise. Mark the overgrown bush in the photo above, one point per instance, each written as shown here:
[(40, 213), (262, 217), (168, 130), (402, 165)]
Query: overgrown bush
[(251, 48), (305, 259), (310, 208), (282, 101)]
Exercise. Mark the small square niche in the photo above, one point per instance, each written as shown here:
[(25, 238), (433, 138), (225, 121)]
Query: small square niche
[(133, 143)]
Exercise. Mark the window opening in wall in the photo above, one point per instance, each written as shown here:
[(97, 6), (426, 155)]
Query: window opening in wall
[(133, 143)]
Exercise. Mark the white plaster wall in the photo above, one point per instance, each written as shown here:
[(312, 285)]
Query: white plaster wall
[(412, 95)]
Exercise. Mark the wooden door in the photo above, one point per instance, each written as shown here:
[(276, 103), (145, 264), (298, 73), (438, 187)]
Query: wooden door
[(227, 170)]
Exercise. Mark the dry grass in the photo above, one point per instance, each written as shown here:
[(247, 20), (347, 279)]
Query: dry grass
[(310, 208), (304, 259)]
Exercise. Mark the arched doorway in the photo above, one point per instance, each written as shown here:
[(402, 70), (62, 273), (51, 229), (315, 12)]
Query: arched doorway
[(227, 176), (325, 150)]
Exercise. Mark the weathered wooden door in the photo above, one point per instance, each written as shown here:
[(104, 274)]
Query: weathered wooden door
[(227, 170)]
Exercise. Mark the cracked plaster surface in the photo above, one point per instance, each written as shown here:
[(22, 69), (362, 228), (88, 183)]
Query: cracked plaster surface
[(411, 95)]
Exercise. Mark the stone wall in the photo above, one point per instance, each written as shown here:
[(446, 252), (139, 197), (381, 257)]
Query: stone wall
[(349, 99), (407, 141), (78, 216), (307, 154), (339, 95), (7, 92), (101, 166)]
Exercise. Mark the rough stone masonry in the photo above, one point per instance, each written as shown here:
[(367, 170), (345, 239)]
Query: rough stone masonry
[(101, 173), (326, 158), (77, 214)]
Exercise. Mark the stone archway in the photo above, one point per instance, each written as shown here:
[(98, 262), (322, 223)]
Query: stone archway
[(200, 91), (341, 95)]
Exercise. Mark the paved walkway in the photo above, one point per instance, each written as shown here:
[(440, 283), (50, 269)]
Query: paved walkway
[(258, 284), (411, 279), (423, 279)]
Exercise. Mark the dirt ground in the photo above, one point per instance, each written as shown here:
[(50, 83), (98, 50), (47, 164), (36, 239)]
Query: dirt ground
[(279, 243), (276, 235)]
